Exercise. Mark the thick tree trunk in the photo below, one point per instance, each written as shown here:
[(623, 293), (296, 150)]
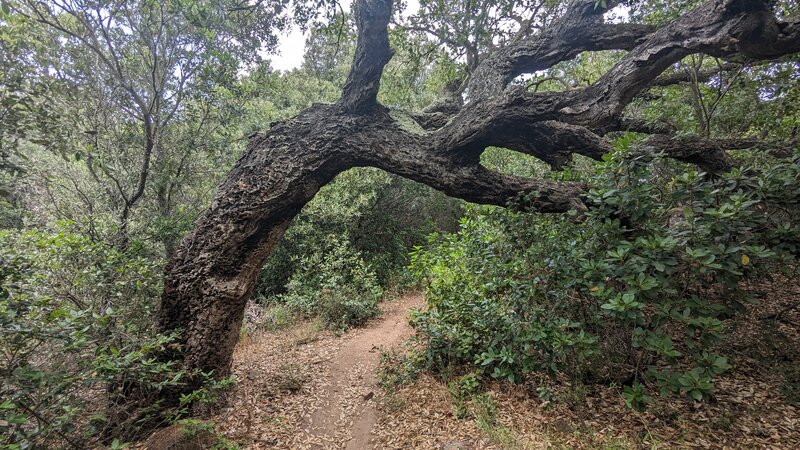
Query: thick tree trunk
[(213, 271), (212, 274)]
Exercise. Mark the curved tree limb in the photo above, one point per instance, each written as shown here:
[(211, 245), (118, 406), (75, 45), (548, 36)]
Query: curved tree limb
[(716, 27), (580, 29), (701, 75), (710, 154)]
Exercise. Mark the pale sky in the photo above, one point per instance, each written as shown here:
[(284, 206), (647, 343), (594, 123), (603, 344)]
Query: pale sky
[(291, 47)]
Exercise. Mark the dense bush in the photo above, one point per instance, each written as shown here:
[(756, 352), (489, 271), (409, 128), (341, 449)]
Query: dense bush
[(480, 309), (75, 331), (637, 292), (335, 284), (382, 215), (350, 244)]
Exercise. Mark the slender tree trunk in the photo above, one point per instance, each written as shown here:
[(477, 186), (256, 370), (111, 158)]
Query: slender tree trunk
[(163, 204), (123, 235)]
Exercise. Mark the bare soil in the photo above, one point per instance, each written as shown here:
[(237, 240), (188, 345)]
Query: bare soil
[(305, 388)]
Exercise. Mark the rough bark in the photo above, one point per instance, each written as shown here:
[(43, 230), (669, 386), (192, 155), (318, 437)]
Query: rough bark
[(707, 154), (213, 271), (698, 77), (710, 154)]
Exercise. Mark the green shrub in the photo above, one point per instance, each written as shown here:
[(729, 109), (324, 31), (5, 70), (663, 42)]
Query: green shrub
[(75, 333), (397, 368), (480, 309), (335, 284), (639, 290), (381, 215)]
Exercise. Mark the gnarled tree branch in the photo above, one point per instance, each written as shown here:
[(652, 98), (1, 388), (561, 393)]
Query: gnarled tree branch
[(580, 29), (710, 155)]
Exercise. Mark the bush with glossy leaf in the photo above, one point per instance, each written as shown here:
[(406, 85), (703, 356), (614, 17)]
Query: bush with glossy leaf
[(335, 284), (639, 292)]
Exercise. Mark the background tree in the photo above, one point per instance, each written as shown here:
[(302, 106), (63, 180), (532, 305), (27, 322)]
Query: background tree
[(139, 68)]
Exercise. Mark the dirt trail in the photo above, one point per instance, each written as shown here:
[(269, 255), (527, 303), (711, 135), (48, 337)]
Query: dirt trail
[(347, 409), (302, 389)]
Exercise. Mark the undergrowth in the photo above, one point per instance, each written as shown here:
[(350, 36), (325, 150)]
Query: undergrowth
[(78, 342), (637, 292)]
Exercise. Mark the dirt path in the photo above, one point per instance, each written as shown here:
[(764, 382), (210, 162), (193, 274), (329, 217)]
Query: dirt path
[(346, 413), (308, 389)]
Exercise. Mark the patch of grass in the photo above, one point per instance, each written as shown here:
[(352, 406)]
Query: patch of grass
[(393, 403), (460, 410), (279, 317), (273, 318), (589, 437), (469, 401), (486, 421), (202, 433), (398, 368), (244, 335), (309, 331), (574, 395)]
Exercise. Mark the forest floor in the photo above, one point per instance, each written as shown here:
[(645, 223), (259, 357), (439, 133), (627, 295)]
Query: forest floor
[(307, 388)]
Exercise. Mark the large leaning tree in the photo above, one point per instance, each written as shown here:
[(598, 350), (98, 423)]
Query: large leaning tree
[(212, 274)]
